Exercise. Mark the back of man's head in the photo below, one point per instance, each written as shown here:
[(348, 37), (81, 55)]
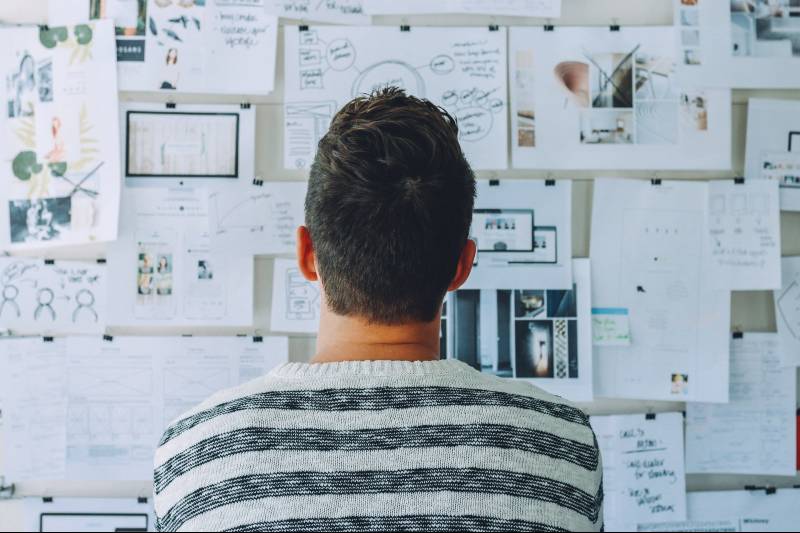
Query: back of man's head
[(389, 208)]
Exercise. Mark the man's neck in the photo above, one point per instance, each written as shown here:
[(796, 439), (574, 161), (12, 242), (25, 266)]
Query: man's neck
[(344, 338)]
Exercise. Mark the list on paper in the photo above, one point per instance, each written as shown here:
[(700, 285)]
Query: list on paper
[(643, 473), (755, 433), (745, 234)]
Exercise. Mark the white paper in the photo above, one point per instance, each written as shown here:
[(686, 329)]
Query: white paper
[(191, 46), (165, 271), (52, 297), (523, 231), (738, 510), (650, 255), (611, 327), (643, 474), (59, 136), (461, 69), (744, 231), (295, 301), (334, 11), (88, 514), (193, 145), (517, 8), (756, 432), (91, 408), (32, 387), (542, 336), (259, 218), (738, 43), (773, 146), (587, 98), (787, 311)]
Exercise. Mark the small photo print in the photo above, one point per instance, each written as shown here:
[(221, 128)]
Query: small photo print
[(45, 81), (611, 80), (680, 384), (528, 304), (690, 37), (691, 57), (204, 271), (690, 17), (39, 220), (694, 111), (534, 350), (163, 275), (561, 304), (607, 126), (129, 16), (689, 2), (526, 128), (21, 88)]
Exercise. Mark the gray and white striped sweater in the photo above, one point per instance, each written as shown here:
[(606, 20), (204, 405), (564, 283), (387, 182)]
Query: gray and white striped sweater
[(380, 446)]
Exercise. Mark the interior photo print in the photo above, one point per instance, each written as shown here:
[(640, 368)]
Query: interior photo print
[(765, 28)]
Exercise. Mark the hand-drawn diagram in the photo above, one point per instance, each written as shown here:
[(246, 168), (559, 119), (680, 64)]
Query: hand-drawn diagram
[(257, 218), (453, 67), (302, 298), (295, 301), (52, 297)]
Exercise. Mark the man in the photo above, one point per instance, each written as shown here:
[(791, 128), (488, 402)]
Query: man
[(377, 434)]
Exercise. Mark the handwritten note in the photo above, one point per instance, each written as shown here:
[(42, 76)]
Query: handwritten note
[(335, 11), (610, 327), (755, 432), (643, 470), (519, 8), (744, 234)]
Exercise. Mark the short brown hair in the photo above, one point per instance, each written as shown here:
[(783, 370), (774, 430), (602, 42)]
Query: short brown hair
[(389, 207)]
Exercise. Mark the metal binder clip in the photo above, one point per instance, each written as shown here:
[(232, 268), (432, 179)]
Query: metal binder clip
[(738, 181), (101, 261), (494, 183), (258, 338), (650, 416), (549, 182), (170, 105), (108, 338), (244, 105), (405, 27), (494, 27), (6, 491), (302, 27), (738, 335)]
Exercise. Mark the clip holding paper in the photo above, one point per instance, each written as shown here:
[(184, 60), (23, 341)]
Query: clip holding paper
[(141, 499), (170, 105), (302, 27), (650, 416), (494, 183), (258, 182), (49, 261), (614, 25), (108, 338), (549, 182), (47, 339), (244, 105), (258, 338), (405, 27), (47, 499), (548, 26), (655, 181), (738, 181), (494, 27), (44, 27), (101, 261), (738, 335), (6, 491)]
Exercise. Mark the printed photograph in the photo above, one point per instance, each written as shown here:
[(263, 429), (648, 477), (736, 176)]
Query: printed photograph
[(39, 220), (562, 304), (607, 126), (163, 275), (534, 349), (691, 57), (680, 384), (21, 88), (129, 17), (765, 28), (482, 330), (694, 111), (657, 122), (690, 17), (611, 79), (690, 37), (204, 271), (528, 304)]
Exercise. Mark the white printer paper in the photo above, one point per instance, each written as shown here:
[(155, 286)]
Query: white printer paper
[(523, 231), (518, 8), (650, 256), (787, 311), (295, 301), (333, 11), (89, 514), (756, 432)]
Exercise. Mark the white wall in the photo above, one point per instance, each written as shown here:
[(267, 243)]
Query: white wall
[(752, 311)]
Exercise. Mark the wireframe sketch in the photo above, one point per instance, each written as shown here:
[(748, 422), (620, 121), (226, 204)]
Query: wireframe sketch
[(765, 28), (57, 297), (458, 70), (302, 297)]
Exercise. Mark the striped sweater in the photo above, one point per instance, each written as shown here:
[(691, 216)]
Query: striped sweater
[(380, 446)]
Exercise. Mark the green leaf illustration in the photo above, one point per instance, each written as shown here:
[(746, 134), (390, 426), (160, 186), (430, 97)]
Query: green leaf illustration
[(83, 34), (50, 37), (58, 169), (25, 165)]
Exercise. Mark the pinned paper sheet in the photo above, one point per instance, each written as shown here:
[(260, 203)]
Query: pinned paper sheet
[(744, 230), (52, 297), (517, 8), (755, 432), (643, 474), (523, 232), (332, 11), (787, 311), (258, 218), (773, 145), (610, 327), (295, 301), (88, 514)]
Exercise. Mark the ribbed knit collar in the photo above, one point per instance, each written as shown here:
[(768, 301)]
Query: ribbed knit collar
[(371, 368)]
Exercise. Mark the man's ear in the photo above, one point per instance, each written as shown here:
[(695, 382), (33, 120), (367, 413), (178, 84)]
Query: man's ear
[(306, 260), (464, 267)]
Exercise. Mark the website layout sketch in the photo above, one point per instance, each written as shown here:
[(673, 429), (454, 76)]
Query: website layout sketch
[(87, 514), (589, 98), (60, 136), (787, 311), (327, 66), (38, 296), (295, 301)]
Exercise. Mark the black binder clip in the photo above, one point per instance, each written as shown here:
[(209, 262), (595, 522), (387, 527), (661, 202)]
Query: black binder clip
[(494, 183), (655, 181), (405, 27), (738, 335), (47, 339), (142, 499), (6, 491), (47, 499), (44, 27), (245, 105), (258, 182), (108, 338), (738, 181), (101, 261), (170, 105), (549, 183), (614, 27), (303, 27), (650, 416), (49, 261), (258, 338), (494, 27)]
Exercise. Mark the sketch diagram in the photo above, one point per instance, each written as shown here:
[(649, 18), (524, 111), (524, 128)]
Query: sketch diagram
[(302, 298), (257, 218), (295, 301), (452, 67), (52, 297)]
